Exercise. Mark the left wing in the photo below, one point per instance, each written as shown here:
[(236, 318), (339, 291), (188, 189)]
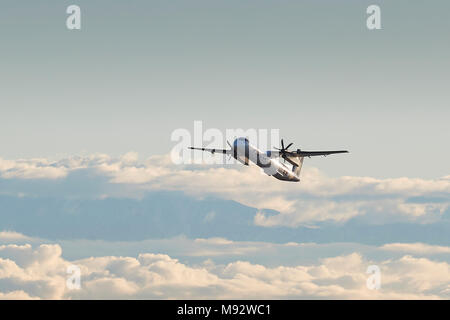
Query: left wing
[(212, 150)]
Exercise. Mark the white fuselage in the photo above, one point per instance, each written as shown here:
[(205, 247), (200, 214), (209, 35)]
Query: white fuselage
[(244, 152)]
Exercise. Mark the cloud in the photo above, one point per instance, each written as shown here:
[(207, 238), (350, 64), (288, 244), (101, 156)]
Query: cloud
[(28, 273), (317, 198), (416, 248), (41, 272), (31, 169), (12, 236), (311, 211), (225, 250), (16, 295)]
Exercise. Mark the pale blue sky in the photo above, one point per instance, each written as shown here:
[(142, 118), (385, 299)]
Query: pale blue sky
[(137, 71)]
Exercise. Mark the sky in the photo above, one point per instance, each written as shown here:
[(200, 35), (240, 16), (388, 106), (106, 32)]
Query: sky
[(137, 71), (86, 118)]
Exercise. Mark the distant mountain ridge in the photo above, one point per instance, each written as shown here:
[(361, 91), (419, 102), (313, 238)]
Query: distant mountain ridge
[(168, 214)]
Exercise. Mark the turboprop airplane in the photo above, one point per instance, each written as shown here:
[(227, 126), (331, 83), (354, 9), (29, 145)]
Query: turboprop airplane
[(244, 152)]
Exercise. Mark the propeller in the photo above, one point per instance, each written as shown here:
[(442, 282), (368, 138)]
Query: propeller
[(283, 149)]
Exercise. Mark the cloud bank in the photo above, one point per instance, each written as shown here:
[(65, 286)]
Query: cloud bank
[(40, 272), (317, 198)]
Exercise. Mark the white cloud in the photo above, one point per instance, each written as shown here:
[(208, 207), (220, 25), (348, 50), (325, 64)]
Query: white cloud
[(214, 241), (310, 211), (31, 169), (416, 248), (16, 295), (37, 273), (40, 272), (316, 198), (12, 236)]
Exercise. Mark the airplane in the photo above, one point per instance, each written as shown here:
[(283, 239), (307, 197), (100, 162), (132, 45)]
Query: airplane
[(243, 151)]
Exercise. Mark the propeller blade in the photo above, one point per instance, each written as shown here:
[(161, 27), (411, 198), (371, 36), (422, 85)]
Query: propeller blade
[(282, 144), (290, 144)]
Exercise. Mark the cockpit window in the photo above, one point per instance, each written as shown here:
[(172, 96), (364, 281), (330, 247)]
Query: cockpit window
[(245, 140)]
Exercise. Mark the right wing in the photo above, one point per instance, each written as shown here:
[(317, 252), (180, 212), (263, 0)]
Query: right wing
[(212, 150), (301, 153)]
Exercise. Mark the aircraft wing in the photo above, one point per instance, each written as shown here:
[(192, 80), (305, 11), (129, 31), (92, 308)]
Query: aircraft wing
[(300, 153), (212, 150)]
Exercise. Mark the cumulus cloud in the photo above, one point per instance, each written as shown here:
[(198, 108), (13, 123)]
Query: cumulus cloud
[(316, 198), (28, 273), (41, 272)]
